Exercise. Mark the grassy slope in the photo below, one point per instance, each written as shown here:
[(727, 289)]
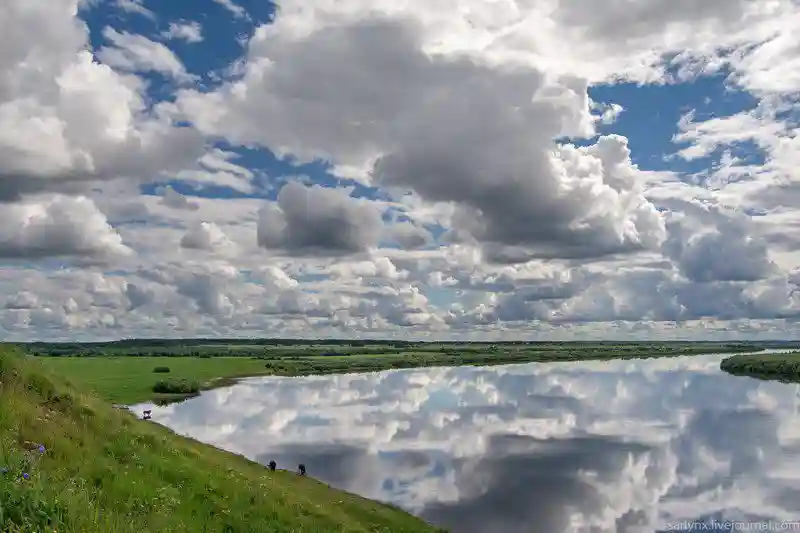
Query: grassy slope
[(130, 379), (105, 471), (781, 366)]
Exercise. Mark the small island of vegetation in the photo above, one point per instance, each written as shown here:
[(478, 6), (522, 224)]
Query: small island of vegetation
[(773, 366)]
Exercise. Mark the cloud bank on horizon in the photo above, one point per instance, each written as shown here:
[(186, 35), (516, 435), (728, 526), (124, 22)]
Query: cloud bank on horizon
[(451, 169)]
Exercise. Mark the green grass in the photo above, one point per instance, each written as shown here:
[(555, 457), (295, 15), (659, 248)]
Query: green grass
[(778, 366), (131, 379), (105, 471)]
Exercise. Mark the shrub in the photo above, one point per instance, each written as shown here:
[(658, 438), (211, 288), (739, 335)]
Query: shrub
[(161, 370), (176, 386)]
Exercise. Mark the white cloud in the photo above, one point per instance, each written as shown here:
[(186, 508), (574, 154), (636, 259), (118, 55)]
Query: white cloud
[(137, 53), (215, 168), (498, 211), (191, 32), (205, 236), (134, 6), (58, 226), (513, 190), (235, 9), (67, 119)]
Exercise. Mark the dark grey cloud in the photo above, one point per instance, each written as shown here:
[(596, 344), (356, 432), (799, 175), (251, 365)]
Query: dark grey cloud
[(207, 291), (709, 244), (174, 199), (137, 296), (410, 236), (318, 220)]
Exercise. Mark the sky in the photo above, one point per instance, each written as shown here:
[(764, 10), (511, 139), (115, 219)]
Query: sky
[(449, 169)]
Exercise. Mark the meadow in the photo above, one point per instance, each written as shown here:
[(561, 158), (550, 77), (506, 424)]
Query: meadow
[(125, 372), (129, 380), (71, 463)]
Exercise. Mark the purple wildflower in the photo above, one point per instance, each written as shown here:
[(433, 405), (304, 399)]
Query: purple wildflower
[(25, 475), (41, 448)]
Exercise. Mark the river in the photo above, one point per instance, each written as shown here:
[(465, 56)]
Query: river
[(604, 446)]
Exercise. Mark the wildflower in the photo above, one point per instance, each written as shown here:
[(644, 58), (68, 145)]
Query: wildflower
[(42, 449), (4, 470), (25, 475)]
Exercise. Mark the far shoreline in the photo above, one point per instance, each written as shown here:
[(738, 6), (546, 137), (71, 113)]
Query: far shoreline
[(129, 378)]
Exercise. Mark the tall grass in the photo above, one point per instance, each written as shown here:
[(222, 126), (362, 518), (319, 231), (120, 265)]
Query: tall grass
[(176, 386)]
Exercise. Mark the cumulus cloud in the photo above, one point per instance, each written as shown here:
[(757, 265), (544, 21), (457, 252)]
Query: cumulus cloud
[(492, 197), (68, 119), (318, 220), (488, 149), (205, 236), (59, 226), (709, 244)]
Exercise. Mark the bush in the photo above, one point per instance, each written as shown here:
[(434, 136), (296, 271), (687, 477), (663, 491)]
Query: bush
[(161, 370), (176, 386)]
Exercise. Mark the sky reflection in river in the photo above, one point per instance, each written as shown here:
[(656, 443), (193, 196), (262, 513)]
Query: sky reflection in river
[(622, 446)]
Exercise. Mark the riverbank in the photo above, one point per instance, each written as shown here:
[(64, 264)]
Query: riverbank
[(130, 379), (775, 366), (71, 463)]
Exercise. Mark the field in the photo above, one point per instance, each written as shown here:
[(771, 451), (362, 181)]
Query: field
[(124, 373), (100, 469), (783, 366), (131, 379)]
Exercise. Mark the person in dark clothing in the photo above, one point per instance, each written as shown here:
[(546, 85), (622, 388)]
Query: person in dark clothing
[(301, 469), (272, 465)]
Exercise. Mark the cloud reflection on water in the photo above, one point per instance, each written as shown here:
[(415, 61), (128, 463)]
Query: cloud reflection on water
[(621, 446)]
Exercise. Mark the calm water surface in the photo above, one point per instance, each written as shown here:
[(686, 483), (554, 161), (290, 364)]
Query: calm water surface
[(621, 446)]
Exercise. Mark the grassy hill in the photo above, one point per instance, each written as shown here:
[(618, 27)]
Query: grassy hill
[(69, 462)]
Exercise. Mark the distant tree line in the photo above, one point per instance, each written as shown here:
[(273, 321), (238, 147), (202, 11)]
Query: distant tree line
[(287, 348)]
